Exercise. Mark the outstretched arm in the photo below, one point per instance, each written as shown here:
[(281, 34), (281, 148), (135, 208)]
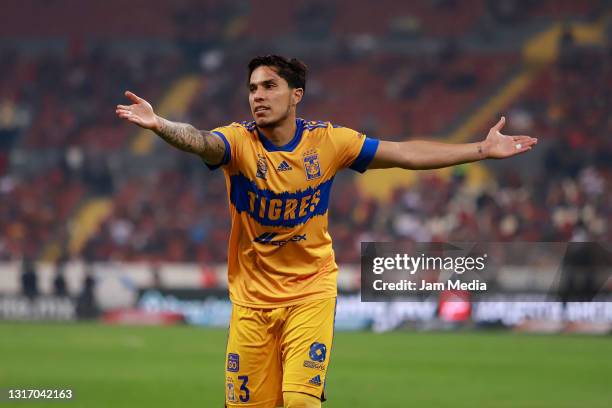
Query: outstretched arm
[(422, 155), (180, 135)]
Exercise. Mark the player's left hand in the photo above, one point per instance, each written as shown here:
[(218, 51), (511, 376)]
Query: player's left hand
[(500, 146)]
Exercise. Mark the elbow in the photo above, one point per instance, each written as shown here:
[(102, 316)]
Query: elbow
[(410, 163), (404, 157), (408, 157), (412, 159)]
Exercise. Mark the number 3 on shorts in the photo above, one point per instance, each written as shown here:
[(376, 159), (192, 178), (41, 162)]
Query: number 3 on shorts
[(244, 388)]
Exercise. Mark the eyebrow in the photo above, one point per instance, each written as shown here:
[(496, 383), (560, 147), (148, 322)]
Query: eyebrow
[(266, 82)]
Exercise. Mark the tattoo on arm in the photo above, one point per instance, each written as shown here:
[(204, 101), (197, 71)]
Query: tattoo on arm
[(182, 136), (187, 138)]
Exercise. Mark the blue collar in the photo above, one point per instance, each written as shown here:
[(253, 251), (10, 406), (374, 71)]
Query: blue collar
[(289, 147)]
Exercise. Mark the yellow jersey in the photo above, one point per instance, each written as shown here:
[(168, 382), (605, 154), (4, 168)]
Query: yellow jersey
[(280, 251)]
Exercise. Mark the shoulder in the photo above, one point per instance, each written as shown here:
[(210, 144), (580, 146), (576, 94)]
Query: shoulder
[(333, 132), (313, 125), (343, 133), (332, 128), (247, 125), (244, 126), (319, 128), (236, 129)]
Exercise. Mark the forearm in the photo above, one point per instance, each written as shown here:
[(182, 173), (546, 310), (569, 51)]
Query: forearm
[(187, 138), (422, 154), (181, 135)]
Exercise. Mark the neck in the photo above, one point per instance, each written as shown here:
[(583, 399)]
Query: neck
[(282, 133)]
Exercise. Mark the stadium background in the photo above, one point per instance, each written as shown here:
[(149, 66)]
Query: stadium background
[(104, 223)]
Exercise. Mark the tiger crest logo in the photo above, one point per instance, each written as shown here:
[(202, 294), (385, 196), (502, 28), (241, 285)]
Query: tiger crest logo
[(311, 165)]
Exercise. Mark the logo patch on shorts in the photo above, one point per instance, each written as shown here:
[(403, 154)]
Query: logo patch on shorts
[(315, 365), (318, 352), (231, 395), (316, 380), (233, 362)]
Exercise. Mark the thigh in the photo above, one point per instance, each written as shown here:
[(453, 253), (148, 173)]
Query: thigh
[(253, 373), (306, 344)]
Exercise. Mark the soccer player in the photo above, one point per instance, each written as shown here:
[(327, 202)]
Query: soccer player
[(281, 270)]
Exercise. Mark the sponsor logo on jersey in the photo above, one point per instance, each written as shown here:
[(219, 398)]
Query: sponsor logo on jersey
[(312, 364), (233, 362), (316, 380), (284, 166), (262, 167), (267, 238), (317, 352), (311, 165)]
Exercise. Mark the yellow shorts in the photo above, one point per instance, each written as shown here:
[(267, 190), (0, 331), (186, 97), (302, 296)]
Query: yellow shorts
[(270, 351)]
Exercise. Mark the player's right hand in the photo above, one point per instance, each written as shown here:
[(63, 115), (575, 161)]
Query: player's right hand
[(140, 112)]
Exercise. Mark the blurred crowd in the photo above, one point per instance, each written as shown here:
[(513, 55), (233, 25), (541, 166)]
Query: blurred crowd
[(59, 136), (60, 143)]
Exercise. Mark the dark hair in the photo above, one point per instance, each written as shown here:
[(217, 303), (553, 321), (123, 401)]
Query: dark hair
[(291, 70)]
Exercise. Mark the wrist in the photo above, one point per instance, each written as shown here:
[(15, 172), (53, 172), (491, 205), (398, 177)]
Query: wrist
[(484, 148), (156, 124)]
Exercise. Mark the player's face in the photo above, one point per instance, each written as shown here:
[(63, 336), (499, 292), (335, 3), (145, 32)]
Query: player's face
[(271, 99)]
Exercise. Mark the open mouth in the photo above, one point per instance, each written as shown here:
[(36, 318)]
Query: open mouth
[(261, 109)]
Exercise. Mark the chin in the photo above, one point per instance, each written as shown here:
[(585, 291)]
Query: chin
[(265, 123)]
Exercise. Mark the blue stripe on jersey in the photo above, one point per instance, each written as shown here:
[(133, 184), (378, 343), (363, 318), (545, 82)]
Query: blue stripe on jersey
[(368, 150), (227, 155), (278, 210)]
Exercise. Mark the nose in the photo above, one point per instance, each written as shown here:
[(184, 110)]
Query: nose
[(258, 95)]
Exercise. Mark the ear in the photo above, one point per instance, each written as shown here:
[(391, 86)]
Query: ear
[(297, 95)]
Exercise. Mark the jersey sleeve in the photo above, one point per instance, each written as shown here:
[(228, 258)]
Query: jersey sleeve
[(230, 135), (354, 149)]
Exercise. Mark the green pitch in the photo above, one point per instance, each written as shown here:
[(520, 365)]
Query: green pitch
[(183, 367)]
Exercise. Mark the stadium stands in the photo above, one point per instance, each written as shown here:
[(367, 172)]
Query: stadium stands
[(61, 145)]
